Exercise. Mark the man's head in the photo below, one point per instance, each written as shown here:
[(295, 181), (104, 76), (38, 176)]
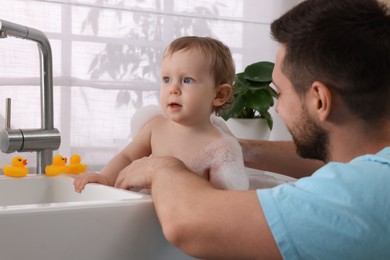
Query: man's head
[(343, 45)]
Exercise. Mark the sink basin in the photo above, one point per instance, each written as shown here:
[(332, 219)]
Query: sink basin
[(42, 217), (42, 192)]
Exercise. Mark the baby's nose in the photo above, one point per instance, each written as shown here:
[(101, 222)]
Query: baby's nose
[(174, 90)]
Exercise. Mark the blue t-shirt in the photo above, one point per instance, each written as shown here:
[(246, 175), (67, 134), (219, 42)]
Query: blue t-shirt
[(341, 212)]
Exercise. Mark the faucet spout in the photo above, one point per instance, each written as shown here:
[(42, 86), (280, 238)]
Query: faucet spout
[(47, 138)]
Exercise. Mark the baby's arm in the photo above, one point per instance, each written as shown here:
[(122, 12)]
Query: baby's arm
[(138, 148)]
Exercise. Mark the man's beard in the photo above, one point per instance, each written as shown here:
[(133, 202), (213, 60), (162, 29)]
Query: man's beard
[(311, 141)]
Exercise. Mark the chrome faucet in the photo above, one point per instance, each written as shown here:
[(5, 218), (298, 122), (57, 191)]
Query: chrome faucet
[(47, 138)]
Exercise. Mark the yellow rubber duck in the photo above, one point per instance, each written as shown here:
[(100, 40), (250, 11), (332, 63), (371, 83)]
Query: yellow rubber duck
[(75, 167), (17, 169), (57, 167)]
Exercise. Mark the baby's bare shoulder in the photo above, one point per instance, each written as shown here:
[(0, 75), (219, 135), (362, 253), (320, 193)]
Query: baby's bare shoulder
[(160, 119), (157, 123)]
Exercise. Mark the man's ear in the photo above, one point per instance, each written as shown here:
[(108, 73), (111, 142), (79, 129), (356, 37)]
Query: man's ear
[(222, 94), (321, 100)]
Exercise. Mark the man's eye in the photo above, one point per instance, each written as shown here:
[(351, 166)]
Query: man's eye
[(188, 80)]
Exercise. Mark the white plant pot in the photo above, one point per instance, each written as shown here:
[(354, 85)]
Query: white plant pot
[(253, 129)]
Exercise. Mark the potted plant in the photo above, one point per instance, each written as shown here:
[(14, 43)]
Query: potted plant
[(253, 95)]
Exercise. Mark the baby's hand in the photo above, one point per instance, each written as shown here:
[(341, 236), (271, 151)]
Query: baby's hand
[(90, 177)]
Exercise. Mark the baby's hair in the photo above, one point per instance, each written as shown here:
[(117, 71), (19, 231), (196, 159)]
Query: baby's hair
[(221, 61)]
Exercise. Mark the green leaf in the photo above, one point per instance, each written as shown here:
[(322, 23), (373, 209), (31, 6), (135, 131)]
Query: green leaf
[(259, 71), (259, 85), (237, 105), (259, 100), (273, 92), (268, 117), (240, 85)]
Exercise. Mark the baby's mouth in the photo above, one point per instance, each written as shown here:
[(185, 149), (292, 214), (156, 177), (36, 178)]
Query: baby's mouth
[(174, 105)]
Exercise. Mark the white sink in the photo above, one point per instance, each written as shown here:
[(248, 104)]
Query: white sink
[(43, 218), (39, 191)]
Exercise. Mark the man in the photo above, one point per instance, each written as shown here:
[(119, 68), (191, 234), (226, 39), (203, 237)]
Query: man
[(332, 75)]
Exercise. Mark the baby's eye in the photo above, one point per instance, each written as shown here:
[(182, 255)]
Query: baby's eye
[(166, 80), (188, 80)]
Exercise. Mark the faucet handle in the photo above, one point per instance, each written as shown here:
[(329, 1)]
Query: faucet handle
[(26, 140), (8, 113)]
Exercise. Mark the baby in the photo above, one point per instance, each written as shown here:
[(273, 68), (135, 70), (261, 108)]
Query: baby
[(197, 78)]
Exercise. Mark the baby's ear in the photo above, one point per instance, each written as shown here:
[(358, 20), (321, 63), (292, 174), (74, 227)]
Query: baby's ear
[(222, 93)]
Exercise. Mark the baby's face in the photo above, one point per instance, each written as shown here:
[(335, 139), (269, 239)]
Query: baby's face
[(187, 87)]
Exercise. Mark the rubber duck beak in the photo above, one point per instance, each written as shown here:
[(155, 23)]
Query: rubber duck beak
[(25, 162), (65, 159)]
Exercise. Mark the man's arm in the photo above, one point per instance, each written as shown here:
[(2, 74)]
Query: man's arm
[(202, 221), (277, 156)]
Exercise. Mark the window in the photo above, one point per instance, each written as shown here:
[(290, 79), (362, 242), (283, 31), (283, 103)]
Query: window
[(106, 61)]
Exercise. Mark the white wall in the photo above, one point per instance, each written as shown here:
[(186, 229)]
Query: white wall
[(264, 15)]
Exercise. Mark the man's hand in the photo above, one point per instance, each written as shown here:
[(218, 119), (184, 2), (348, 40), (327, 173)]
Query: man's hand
[(140, 173)]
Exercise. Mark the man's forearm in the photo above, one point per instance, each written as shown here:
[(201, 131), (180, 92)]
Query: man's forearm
[(199, 219), (277, 156)]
